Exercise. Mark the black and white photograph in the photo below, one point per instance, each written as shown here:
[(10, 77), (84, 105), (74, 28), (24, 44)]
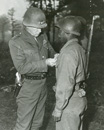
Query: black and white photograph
[(51, 64)]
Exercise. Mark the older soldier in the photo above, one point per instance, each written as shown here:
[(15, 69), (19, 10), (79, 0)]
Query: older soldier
[(29, 52), (71, 102)]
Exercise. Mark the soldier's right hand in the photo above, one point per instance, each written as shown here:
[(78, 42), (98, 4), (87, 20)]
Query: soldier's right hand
[(51, 62)]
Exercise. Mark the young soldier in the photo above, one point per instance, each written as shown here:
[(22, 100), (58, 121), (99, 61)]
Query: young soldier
[(71, 102), (29, 52)]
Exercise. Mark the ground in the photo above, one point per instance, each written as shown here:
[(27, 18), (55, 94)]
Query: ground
[(94, 117)]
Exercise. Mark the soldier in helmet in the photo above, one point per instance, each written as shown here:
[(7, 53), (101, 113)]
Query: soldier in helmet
[(72, 10), (71, 101), (30, 51)]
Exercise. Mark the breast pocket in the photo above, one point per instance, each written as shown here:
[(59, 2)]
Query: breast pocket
[(32, 55)]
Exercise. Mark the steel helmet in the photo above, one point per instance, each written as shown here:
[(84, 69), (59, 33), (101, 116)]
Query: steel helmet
[(34, 17), (83, 21), (70, 24)]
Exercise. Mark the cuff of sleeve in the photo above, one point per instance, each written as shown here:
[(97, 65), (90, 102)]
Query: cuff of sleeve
[(57, 112)]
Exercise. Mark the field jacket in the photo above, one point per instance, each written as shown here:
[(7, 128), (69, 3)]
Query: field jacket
[(29, 54), (70, 71)]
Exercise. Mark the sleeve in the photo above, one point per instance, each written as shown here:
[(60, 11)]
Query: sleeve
[(65, 81), (20, 62)]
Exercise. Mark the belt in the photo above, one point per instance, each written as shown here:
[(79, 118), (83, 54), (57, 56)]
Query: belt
[(38, 76)]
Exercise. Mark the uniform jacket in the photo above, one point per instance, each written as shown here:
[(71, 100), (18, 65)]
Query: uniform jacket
[(29, 54), (70, 71)]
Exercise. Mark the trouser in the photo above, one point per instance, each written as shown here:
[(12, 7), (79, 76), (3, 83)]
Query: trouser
[(31, 105), (72, 117)]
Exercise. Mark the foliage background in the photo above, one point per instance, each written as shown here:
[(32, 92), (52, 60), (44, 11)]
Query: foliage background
[(9, 27)]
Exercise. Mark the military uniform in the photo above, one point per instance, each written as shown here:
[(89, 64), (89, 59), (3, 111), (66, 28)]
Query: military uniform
[(29, 55), (70, 72)]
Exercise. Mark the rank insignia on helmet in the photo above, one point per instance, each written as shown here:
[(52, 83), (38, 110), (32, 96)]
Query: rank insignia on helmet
[(34, 17)]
